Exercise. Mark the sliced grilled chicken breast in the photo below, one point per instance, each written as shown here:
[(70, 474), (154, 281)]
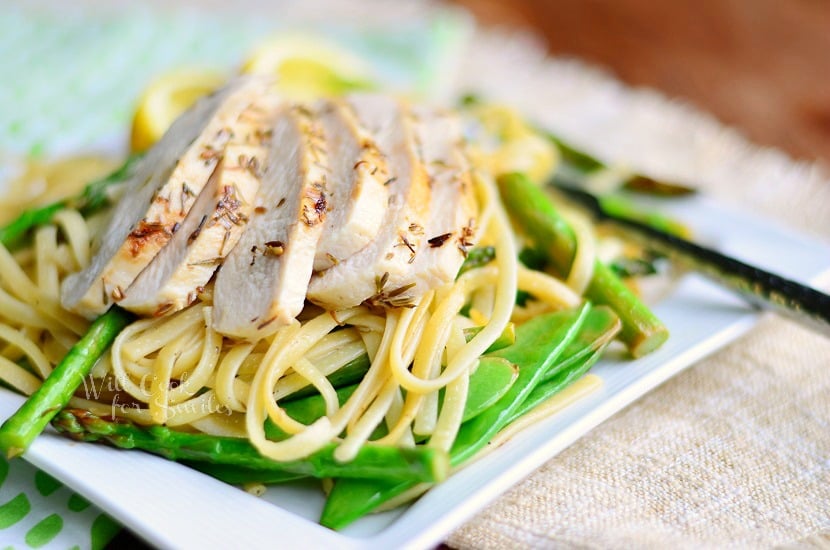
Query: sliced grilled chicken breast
[(215, 223), (157, 198), (450, 231), (378, 272), (262, 283), (356, 190)]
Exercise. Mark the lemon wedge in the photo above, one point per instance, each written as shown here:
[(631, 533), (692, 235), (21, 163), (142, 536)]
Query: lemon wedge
[(167, 97), (308, 66)]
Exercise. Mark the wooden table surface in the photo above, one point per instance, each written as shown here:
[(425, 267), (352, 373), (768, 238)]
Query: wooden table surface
[(760, 65)]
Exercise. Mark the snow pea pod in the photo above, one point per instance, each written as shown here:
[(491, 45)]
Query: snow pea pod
[(539, 343), (494, 376), (599, 329), (490, 381)]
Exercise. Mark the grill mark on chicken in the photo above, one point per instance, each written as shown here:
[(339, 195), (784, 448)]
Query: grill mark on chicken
[(161, 191), (146, 232)]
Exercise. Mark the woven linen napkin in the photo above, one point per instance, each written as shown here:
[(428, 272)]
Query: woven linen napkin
[(734, 452)]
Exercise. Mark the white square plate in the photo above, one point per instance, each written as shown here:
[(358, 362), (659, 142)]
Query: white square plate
[(175, 507)]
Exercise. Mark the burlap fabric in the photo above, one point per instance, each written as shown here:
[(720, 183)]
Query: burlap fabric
[(735, 451)]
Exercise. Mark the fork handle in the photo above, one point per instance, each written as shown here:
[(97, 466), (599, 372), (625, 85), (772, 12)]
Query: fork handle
[(759, 287)]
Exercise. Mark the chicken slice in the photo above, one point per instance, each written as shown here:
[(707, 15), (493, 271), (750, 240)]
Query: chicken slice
[(157, 198), (378, 273), (356, 190), (262, 283), (215, 223), (450, 230)]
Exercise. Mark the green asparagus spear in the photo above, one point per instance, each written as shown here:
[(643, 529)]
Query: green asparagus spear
[(624, 208), (18, 432), (534, 213), (89, 201), (372, 461), (539, 343)]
